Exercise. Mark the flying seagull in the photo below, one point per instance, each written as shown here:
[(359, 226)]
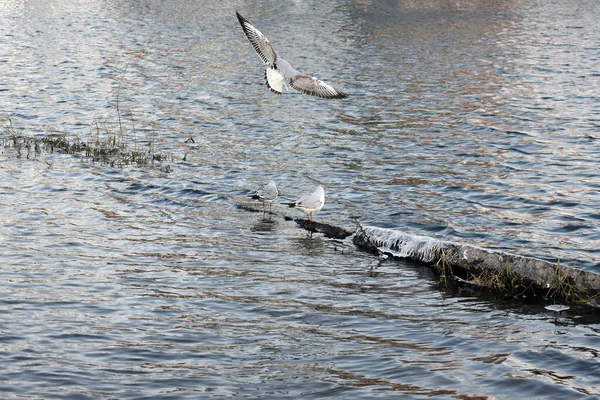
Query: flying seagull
[(267, 194), (310, 203), (279, 73)]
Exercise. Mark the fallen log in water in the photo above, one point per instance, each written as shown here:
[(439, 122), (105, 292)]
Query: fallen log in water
[(483, 267), (329, 231), (467, 264)]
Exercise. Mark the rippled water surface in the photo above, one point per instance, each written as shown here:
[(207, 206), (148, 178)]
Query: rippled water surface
[(474, 121)]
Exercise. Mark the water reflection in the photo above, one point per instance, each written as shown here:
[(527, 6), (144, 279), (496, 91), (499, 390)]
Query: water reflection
[(472, 120), (267, 223)]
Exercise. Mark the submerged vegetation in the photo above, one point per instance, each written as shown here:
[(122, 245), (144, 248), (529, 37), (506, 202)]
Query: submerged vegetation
[(103, 145), (109, 140)]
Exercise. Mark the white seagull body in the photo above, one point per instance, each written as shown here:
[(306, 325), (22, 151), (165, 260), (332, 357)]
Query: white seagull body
[(279, 73), (267, 194), (310, 203)]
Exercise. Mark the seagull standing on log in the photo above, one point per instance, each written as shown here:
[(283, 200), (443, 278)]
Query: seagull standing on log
[(280, 73), (267, 194), (311, 203)]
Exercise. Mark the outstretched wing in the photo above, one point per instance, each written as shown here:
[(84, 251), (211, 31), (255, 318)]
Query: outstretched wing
[(261, 44), (315, 87)]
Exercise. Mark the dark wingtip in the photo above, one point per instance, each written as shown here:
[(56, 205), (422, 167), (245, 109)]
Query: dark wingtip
[(337, 95), (241, 19), (254, 196)]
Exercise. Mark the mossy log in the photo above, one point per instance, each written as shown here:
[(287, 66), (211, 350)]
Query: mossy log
[(549, 277)]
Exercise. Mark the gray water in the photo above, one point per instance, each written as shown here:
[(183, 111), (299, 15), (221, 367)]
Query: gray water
[(473, 121)]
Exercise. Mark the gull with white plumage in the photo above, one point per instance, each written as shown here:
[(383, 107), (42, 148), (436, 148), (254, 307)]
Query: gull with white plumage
[(267, 194), (279, 73), (311, 203)]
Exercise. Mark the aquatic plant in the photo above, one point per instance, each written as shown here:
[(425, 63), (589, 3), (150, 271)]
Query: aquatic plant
[(563, 287), (444, 269), (103, 145), (109, 141)]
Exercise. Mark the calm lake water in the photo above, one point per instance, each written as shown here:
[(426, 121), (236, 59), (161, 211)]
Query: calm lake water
[(475, 121)]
